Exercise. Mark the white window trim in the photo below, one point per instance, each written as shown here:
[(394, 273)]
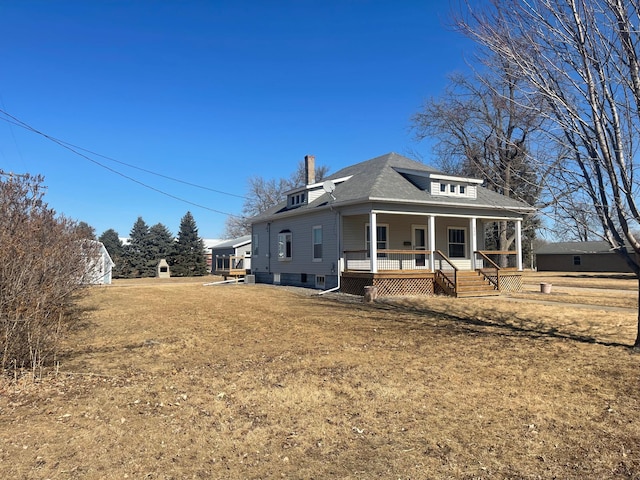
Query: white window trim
[(313, 243)]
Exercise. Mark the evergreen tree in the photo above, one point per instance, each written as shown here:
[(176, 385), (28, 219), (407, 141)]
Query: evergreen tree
[(161, 243), (140, 262), (114, 246), (189, 259), (84, 230)]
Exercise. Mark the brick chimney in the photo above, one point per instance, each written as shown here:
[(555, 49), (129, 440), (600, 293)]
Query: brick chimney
[(310, 169)]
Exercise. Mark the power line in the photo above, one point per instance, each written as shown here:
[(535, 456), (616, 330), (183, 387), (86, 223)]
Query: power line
[(76, 150), (151, 172)]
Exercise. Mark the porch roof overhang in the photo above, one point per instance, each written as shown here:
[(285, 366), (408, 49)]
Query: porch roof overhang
[(414, 207), (437, 209)]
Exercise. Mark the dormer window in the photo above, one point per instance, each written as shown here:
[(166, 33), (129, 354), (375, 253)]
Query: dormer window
[(297, 199), (455, 189)]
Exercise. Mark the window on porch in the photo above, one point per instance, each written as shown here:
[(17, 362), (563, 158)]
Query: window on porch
[(382, 236), (457, 242)]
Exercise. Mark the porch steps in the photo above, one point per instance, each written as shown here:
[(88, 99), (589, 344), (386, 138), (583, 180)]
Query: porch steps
[(473, 284)]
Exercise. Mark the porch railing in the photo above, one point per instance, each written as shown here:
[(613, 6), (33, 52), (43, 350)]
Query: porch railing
[(493, 267), (447, 275), (388, 260), (505, 259), (229, 263)]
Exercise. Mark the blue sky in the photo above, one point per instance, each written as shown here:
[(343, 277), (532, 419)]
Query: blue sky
[(210, 92)]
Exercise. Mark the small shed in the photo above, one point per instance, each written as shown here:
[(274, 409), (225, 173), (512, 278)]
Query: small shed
[(594, 256), (232, 257)]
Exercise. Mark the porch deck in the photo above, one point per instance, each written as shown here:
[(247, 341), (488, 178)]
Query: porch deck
[(407, 272), (229, 266)]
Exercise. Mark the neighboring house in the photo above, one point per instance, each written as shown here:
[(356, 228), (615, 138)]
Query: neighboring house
[(232, 257), (209, 243), (389, 222), (99, 266), (580, 257)]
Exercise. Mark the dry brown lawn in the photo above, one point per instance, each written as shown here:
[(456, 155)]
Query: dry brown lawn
[(175, 380)]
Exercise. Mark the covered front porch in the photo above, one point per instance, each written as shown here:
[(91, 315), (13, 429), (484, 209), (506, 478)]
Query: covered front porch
[(404, 253)]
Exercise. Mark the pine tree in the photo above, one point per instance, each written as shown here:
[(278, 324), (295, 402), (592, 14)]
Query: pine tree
[(189, 259), (161, 243), (114, 246), (140, 262), (85, 230)]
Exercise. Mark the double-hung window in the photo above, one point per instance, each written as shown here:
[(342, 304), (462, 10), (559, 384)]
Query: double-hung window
[(457, 242), (382, 232), (317, 243), (284, 245)]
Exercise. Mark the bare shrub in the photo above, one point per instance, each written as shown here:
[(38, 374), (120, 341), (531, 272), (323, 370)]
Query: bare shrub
[(43, 260)]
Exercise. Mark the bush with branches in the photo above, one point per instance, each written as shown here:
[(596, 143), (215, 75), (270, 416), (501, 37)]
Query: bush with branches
[(43, 261)]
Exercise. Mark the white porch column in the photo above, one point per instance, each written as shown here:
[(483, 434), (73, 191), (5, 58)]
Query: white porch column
[(432, 243), (519, 244), (373, 242), (473, 237)]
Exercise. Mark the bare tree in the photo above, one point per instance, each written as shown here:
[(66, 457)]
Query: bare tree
[(266, 193), (581, 58), (486, 128), (43, 261)]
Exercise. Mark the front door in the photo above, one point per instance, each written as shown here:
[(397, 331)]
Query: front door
[(419, 239)]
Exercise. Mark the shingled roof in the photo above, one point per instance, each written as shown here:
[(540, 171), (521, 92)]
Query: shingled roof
[(388, 178), (576, 248)]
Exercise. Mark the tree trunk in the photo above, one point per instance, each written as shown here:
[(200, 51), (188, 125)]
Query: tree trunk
[(503, 244), (636, 345)]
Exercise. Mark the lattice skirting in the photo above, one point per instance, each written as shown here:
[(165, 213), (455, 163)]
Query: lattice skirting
[(388, 287), (509, 283), (355, 285)]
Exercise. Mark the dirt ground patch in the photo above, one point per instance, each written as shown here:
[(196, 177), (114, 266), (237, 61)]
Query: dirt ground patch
[(174, 380)]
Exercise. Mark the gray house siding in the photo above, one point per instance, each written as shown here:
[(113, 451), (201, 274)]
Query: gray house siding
[(592, 256), (588, 262), (300, 270)]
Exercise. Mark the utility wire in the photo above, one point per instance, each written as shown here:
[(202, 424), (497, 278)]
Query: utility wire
[(75, 149), (149, 171)]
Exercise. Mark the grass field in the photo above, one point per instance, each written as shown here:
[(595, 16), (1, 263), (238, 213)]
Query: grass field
[(175, 380)]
